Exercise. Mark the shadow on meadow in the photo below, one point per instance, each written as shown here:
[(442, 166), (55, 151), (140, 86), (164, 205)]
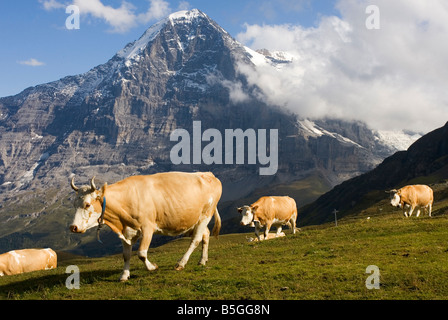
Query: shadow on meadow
[(48, 283)]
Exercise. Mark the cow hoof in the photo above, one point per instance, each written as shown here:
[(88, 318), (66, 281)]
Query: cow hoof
[(178, 267), (153, 267), (124, 277)]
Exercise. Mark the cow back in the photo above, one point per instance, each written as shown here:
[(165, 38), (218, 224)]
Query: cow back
[(173, 201), (274, 207), (417, 195)]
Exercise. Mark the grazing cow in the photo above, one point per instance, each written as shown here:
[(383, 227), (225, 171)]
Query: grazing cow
[(270, 211), (413, 196), (172, 203), (27, 260)]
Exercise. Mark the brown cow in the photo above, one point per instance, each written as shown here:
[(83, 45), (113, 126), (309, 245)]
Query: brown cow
[(172, 203), (270, 211), (27, 260), (413, 196)]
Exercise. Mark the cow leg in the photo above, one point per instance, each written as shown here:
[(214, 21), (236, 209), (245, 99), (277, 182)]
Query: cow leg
[(429, 209), (404, 212), (292, 222), (266, 232), (128, 241), (418, 213), (197, 237), (257, 230), (411, 209), (205, 240), (279, 231), (143, 250), (127, 250)]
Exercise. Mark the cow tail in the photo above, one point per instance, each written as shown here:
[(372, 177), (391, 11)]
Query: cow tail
[(217, 226)]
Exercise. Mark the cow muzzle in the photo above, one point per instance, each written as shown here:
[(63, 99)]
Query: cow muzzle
[(75, 229)]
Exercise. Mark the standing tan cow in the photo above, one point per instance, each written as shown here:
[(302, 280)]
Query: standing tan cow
[(27, 260), (413, 196), (137, 207), (270, 211)]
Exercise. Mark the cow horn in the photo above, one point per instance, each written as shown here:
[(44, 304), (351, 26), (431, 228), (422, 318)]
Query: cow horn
[(92, 184), (72, 184)]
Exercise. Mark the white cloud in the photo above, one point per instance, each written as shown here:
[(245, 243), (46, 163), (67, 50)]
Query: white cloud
[(183, 5), (31, 62), (158, 9), (394, 77), (236, 92), (121, 19), (52, 4)]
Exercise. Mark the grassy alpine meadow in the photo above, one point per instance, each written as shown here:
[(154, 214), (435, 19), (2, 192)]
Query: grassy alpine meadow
[(319, 262)]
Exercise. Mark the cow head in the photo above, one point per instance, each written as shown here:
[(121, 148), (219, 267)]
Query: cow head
[(88, 205), (247, 215), (395, 197)]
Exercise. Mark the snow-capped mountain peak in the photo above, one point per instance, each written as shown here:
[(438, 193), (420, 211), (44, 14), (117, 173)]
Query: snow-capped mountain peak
[(263, 57), (391, 140), (309, 128), (398, 139), (134, 48), (186, 16), (177, 19)]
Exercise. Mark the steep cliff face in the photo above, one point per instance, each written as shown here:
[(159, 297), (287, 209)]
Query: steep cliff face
[(116, 120)]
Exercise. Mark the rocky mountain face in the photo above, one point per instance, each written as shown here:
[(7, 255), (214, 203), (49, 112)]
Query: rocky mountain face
[(116, 120)]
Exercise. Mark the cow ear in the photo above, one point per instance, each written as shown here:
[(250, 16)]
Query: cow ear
[(254, 208), (240, 209)]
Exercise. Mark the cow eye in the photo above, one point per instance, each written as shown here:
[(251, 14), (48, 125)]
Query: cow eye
[(87, 205)]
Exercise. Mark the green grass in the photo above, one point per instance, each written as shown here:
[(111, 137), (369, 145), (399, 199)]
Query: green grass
[(321, 262)]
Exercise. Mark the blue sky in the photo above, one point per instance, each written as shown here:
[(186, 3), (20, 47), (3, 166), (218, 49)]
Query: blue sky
[(385, 65), (36, 47)]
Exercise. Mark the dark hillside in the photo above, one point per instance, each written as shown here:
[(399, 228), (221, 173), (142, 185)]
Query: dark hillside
[(426, 161)]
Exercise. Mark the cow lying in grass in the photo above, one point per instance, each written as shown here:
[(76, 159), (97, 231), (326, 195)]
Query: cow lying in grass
[(270, 236), (27, 260)]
